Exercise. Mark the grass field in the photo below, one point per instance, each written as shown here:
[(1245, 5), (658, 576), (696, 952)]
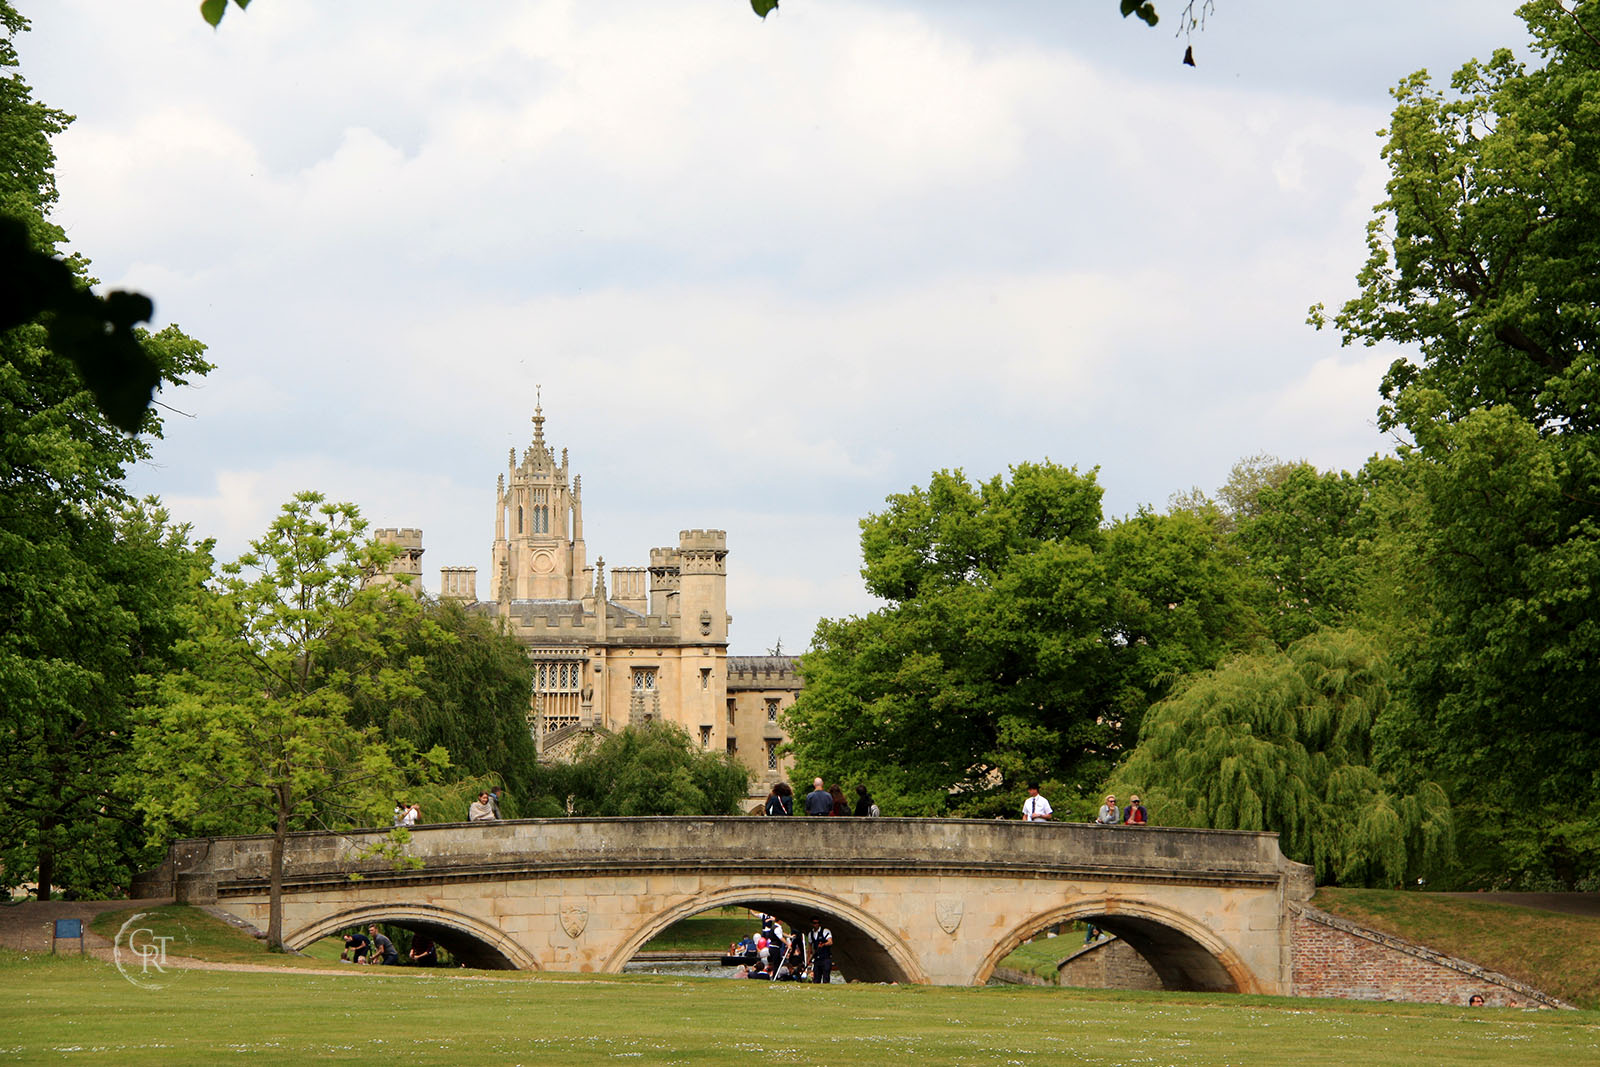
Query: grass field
[(55, 1008), (310, 1009)]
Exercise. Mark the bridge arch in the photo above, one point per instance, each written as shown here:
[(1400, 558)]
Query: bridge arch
[(469, 939), (865, 949), (1184, 952)]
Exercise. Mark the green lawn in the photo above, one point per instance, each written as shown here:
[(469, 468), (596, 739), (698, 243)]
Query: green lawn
[(209, 938), (1041, 955), (56, 1007), (711, 931)]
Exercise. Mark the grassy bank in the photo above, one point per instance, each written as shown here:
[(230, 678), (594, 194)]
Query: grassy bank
[(711, 931), (208, 938), (1558, 954), (54, 1007)]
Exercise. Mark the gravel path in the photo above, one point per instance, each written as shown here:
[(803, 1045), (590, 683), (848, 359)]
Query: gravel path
[(26, 927)]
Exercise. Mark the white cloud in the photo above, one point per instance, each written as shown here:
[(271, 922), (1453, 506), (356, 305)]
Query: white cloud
[(767, 273)]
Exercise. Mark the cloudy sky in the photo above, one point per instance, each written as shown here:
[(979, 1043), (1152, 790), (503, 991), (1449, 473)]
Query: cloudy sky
[(766, 273)]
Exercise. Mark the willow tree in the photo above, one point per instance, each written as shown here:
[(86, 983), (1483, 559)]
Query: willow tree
[(1283, 741)]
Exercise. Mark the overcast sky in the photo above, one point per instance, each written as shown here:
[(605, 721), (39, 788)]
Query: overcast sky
[(766, 273)]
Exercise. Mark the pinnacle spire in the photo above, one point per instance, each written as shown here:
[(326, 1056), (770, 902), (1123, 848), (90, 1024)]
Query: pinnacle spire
[(538, 418)]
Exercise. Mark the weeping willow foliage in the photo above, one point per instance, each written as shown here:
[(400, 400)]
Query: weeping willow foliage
[(1282, 741)]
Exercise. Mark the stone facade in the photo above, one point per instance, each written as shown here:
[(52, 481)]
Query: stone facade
[(625, 645)]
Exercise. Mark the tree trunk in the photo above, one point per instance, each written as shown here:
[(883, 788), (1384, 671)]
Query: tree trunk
[(275, 893), (46, 854), (47, 866)]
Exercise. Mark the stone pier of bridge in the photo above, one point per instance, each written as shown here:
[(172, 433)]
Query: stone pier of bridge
[(937, 901)]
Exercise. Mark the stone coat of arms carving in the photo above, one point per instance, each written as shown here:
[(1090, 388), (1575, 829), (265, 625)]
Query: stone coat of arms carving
[(574, 917), (948, 911)]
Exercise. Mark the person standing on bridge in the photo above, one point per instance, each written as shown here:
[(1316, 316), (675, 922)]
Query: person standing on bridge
[(1036, 808), (865, 808), (819, 801), (1134, 814), (1110, 814), (841, 806), (481, 810), (781, 800)]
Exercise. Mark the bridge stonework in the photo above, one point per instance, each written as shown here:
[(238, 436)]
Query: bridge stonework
[(938, 901)]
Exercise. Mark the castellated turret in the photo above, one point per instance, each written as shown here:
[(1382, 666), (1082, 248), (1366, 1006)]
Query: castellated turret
[(405, 568), (664, 581), (703, 585)]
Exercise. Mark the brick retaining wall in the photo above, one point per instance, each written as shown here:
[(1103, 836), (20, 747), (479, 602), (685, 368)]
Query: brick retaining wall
[(1108, 964), (1334, 957)]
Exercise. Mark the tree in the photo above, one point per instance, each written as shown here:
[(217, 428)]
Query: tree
[(1482, 256), (253, 733), (97, 335), (1020, 641), (471, 694), (1500, 683), (89, 580), (654, 769), (1483, 253), (1283, 741), (1303, 536)]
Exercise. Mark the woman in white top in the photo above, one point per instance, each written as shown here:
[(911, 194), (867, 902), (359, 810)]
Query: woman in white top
[(1110, 814)]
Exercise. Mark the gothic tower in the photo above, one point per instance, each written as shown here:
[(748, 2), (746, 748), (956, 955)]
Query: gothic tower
[(538, 526)]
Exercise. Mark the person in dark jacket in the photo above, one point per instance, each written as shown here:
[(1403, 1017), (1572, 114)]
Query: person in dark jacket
[(841, 806), (781, 800), (864, 804)]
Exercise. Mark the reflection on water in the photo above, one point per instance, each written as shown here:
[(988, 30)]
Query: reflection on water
[(689, 969), (682, 968)]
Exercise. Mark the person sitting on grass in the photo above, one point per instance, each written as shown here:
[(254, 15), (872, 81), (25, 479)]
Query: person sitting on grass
[(423, 951)]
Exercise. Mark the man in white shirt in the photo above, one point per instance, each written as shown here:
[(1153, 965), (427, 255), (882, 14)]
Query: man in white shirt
[(1036, 808)]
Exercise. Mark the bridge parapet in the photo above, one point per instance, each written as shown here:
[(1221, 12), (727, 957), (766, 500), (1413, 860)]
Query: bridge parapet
[(202, 869)]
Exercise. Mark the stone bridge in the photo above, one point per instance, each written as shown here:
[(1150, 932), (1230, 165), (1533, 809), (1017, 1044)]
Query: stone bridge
[(938, 901)]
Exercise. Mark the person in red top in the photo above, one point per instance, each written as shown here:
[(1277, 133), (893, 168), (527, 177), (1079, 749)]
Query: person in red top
[(1134, 814)]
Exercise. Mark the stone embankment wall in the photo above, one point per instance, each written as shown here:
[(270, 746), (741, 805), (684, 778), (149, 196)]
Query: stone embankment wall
[(1334, 957)]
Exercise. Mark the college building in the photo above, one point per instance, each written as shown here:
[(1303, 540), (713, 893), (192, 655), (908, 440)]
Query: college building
[(616, 646)]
